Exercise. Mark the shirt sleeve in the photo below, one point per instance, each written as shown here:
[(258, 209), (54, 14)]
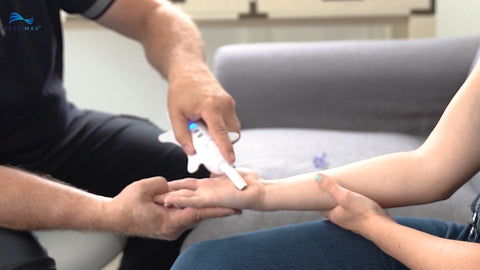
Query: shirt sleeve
[(91, 9)]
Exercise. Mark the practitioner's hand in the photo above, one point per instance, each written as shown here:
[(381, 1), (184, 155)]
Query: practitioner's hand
[(198, 95), (134, 212), (353, 211), (216, 191)]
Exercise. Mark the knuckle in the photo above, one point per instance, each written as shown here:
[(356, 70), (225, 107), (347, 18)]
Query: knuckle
[(228, 101), (168, 233), (159, 179)]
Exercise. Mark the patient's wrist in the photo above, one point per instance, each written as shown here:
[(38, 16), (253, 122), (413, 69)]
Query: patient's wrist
[(372, 227), (264, 202)]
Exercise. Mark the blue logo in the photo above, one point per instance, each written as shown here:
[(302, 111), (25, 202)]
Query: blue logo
[(27, 27), (14, 16)]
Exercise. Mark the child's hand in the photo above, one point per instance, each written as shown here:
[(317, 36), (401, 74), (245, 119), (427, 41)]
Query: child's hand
[(353, 210), (216, 191)]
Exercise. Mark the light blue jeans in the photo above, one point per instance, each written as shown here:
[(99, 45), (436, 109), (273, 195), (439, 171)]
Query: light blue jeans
[(312, 245)]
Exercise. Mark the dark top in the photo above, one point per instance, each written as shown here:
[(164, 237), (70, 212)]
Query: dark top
[(33, 106)]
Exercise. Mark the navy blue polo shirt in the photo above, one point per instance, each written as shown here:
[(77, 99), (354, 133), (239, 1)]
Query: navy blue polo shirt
[(33, 106)]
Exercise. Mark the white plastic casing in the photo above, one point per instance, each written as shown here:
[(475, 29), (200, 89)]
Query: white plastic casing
[(207, 153)]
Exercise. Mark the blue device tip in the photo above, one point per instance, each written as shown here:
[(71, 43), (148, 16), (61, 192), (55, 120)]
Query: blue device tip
[(192, 126)]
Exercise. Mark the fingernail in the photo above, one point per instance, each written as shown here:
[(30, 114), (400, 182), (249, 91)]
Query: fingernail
[(318, 177)]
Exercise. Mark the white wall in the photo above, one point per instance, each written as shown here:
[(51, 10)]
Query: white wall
[(458, 18), (108, 72)]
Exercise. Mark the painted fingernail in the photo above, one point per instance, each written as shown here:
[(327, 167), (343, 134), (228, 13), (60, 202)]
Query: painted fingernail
[(318, 177)]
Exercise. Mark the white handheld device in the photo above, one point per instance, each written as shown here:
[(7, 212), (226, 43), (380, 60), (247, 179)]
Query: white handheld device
[(207, 153)]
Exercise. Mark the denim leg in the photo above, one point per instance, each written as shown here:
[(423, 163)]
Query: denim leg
[(440, 228), (311, 245)]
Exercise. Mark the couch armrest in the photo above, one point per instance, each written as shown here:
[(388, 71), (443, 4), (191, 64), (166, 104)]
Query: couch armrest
[(396, 85)]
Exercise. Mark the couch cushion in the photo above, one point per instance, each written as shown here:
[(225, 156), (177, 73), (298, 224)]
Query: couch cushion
[(392, 85), (276, 153)]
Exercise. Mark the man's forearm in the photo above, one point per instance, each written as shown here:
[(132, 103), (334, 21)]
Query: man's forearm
[(173, 44), (31, 202), (171, 40)]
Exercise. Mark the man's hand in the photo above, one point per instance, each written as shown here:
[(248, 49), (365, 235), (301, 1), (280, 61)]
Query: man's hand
[(217, 191), (198, 95), (134, 212), (174, 47)]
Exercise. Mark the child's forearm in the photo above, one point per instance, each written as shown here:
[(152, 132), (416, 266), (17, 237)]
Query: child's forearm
[(419, 250), (390, 180), (295, 193)]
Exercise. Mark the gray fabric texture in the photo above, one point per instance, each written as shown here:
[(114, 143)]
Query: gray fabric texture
[(277, 153), (395, 85)]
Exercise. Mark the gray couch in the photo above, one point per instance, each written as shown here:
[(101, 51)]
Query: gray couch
[(347, 100)]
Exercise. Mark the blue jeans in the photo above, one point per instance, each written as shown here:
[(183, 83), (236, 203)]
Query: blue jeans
[(312, 245)]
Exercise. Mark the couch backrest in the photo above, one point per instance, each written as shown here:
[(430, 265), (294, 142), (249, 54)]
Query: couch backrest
[(391, 85)]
